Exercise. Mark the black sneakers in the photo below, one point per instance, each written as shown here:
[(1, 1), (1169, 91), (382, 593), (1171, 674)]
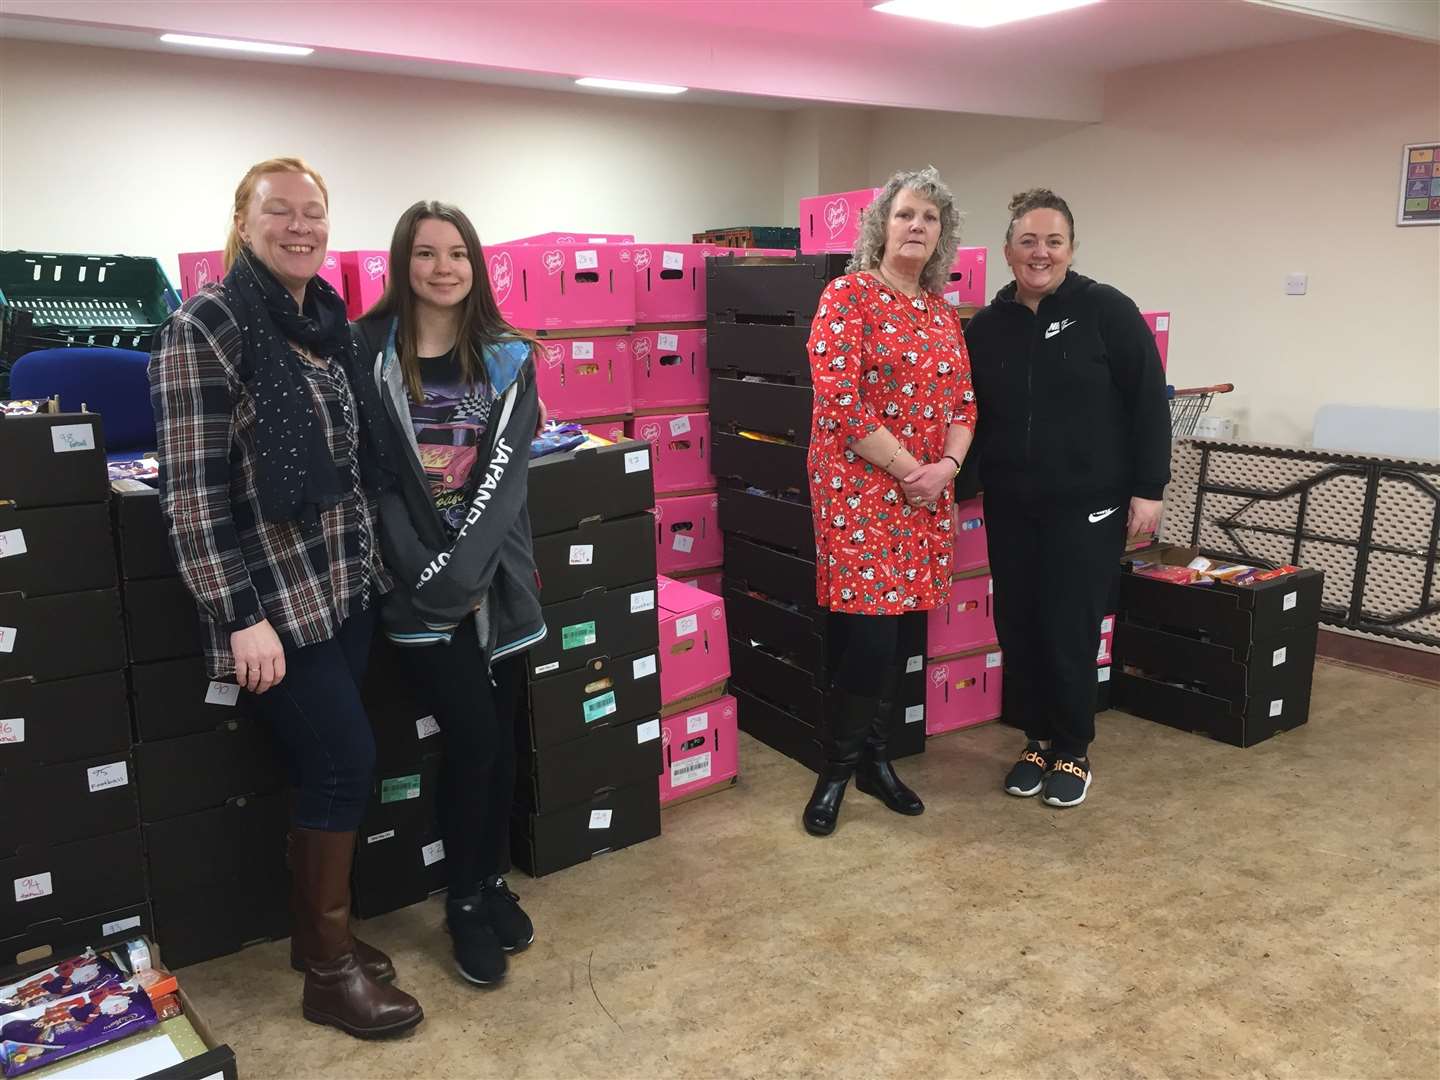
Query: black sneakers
[(1067, 781), (1028, 774), (512, 926), (478, 953)]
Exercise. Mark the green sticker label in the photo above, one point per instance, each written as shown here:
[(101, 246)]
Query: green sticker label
[(400, 788), (598, 707), (573, 637)]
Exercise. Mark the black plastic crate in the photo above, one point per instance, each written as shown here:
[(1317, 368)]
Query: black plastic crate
[(780, 292), (770, 407), (772, 466), (783, 523), (55, 300), (746, 348)]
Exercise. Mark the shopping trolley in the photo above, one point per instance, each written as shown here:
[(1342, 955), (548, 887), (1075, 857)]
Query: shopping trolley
[(1187, 406)]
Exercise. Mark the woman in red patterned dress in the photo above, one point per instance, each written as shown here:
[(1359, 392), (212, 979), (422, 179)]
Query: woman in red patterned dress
[(893, 417)]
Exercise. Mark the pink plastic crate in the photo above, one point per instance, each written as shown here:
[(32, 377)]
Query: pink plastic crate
[(680, 449), (1159, 323), (694, 643), (585, 377), (614, 430), (687, 533), (365, 274), (575, 236), (562, 286), (669, 281), (670, 368), (966, 622), (966, 287), (700, 751), (199, 268), (832, 222), (962, 692), (971, 550), (1107, 641)]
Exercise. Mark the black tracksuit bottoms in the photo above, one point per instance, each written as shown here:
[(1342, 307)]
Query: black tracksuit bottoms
[(1053, 569)]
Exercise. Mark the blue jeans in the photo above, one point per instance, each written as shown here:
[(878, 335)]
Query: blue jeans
[(317, 718)]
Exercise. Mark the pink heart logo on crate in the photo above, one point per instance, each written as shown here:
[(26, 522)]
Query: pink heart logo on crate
[(642, 258), (375, 266), (554, 261), (331, 262), (728, 712), (501, 276), (641, 346), (650, 433), (717, 613), (665, 737), (939, 675), (554, 355), (202, 274), (837, 213)]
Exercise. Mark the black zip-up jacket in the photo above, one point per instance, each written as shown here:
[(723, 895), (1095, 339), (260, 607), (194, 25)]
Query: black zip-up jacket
[(1072, 400)]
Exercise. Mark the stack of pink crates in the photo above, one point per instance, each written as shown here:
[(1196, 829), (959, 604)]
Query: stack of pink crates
[(831, 223), (698, 723), (358, 276)]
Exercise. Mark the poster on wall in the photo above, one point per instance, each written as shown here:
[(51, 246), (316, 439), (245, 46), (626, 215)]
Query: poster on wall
[(1420, 185)]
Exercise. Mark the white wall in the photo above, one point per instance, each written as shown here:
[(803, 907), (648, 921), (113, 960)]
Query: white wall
[(1205, 184), (114, 151)]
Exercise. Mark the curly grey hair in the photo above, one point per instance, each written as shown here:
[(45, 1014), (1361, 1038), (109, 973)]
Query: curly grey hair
[(870, 244)]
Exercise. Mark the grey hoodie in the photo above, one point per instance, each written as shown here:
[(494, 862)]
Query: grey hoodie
[(488, 570)]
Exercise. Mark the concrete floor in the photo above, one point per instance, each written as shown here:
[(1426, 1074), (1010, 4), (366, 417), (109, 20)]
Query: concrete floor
[(1269, 912)]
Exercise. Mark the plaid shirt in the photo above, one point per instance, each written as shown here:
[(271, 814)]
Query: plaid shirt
[(239, 567)]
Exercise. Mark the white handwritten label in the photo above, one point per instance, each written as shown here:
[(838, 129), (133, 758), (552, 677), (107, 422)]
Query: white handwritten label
[(12, 730), (12, 542), (433, 853), (600, 819), (1162, 323), (697, 722), (582, 350), (1278, 657), (1107, 624), (687, 625), (994, 659), (914, 714), (643, 667), (105, 777), (106, 929), (1104, 674), (953, 298), (1277, 706), (545, 669), (649, 731), (642, 601), (587, 260), (222, 693), (637, 461), (426, 726), (582, 554), (70, 437), (679, 426), (672, 260), (33, 887), (684, 543), (667, 342), (1290, 600), (7, 638), (386, 835), (914, 664)]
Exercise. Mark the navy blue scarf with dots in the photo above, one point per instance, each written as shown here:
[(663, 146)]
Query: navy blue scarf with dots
[(296, 473)]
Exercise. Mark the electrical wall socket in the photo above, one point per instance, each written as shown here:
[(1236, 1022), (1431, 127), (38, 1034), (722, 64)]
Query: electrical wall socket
[(1296, 284)]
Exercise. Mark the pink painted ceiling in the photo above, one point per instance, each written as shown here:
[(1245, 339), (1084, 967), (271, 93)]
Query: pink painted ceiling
[(791, 52)]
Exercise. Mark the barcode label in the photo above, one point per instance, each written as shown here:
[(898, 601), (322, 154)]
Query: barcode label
[(690, 770), (545, 669), (386, 835)]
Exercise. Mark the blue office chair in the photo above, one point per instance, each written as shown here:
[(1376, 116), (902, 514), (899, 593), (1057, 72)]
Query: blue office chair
[(111, 382)]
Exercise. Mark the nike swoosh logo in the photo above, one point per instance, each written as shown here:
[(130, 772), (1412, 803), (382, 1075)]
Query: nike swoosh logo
[(1052, 331), (1101, 515)]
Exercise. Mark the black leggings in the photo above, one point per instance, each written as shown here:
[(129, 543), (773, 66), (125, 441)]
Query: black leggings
[(864, 653), (477, 775)]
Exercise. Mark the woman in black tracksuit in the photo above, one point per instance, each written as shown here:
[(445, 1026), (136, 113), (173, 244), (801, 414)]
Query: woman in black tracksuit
[(458, 387), (1074, 455)]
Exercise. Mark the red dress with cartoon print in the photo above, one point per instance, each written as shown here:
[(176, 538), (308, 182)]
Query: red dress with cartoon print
[(878, 357)]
